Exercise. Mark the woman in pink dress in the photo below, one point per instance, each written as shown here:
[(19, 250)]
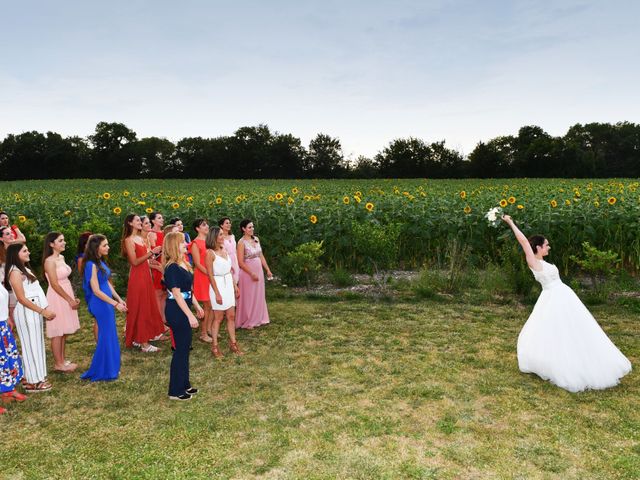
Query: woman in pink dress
[(198, 252), (61, 300), (252, 305), (230, 246)]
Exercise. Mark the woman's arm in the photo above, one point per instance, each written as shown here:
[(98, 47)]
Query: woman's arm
[(265, 266), (195, 254), (19, 235), (15, 280), (130, 247), (210, 258), (177, 295), (95, 288), (241, 263), (532, 261), (52, 277)]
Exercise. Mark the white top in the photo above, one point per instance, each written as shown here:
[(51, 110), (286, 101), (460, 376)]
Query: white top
[(4, 303)]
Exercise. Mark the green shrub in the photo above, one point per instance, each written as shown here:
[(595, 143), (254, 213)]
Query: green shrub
[(518, 272), (342, 278), (302, 265), (375, 245)]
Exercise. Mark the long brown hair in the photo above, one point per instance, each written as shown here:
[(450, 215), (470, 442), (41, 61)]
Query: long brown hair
[(47, 250), (127, 230), (91, 252), (13, 260), (211, 241)]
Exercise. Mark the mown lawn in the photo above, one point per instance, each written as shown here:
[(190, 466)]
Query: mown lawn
[(345, 388)]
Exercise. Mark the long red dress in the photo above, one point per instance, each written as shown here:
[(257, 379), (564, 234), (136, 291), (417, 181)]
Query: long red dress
[(200, 280), (144, 321), (157, 275)]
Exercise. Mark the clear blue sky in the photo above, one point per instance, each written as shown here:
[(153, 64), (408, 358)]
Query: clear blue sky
[(366, 72)]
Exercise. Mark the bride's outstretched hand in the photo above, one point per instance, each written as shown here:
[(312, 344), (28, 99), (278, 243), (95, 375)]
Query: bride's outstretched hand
[(506, 218)]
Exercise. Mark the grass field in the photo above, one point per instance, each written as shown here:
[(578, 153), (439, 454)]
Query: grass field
[(338, 388)]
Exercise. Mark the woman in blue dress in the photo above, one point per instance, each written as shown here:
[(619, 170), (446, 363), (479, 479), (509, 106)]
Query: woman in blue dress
[(103, 301), (178, 278)]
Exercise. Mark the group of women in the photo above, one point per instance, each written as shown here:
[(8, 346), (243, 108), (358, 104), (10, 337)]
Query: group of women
[(168, 275)]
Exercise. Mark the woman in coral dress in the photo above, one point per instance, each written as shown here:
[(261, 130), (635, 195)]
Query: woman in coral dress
[(61, 300), (561, 341), (156, 237), (252, 305), (144, 322), (198, 252)]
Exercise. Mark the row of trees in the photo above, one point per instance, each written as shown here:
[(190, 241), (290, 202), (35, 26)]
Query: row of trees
[(114, 151)]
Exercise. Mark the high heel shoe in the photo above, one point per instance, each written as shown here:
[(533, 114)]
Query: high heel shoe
[(233, 346), (215, 350)]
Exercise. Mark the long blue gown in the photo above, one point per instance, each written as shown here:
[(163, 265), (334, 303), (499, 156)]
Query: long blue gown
[(106, 359)]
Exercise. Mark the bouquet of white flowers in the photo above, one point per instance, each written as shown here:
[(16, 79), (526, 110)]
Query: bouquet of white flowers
[(494, 216)]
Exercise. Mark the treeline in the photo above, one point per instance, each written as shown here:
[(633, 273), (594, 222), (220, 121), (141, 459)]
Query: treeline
[(115, 151)]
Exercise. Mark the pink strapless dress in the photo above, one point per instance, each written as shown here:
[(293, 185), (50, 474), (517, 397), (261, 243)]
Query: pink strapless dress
[(230, 246), (66, 321)]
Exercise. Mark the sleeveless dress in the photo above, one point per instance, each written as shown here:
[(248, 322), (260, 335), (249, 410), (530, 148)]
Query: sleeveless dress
[(157, 276), (232, 250), (10, 363), (105, 364), (143, 321), (66, 321), (224, 281), (200, 280), (251, 310), (29, 326), (562, 342)]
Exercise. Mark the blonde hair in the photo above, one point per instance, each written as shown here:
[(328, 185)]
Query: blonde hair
[(171, 251)]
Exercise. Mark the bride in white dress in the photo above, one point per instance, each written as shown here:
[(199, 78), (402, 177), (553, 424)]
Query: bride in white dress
[(561, 341)]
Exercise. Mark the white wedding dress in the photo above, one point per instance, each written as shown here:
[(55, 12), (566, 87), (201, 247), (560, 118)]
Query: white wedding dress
[(562, 342)]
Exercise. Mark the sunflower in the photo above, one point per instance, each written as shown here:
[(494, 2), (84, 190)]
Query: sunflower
[(143, 195), (503, 203), (149, 210), (346, 200), (175, 206), (238, 199), (520, 207), (369, 206), (567, 202), (358, 194), (290, 200), (463, 194), (313, 219), (218, 200), (142, 203), (553, 203), (295, 190), (125, 193), (611, 200), (511, 200), (279, 196), (467, 209), (189, 199), (211, 203), (117, 210), (106, 195), (67, 213), (271, 199), (357, 198), (596, 204), (307, 197)]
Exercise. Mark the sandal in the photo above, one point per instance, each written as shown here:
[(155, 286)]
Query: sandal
[(206, 339), (235, 348), (149, 349), (67, 368), (37, 387), (13, 396), (215, 350)]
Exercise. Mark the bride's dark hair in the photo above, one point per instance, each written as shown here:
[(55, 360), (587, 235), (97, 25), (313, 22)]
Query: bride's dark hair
[(536, 241)]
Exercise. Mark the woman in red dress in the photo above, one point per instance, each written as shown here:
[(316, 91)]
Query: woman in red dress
[(156, 237), (198, 252), (144, 322)]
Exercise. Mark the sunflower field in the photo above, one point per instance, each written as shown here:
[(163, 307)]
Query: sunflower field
[(363, 224)]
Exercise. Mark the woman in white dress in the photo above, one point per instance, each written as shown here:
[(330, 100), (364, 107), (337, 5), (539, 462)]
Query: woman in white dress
[(223, 290), (561, 341)]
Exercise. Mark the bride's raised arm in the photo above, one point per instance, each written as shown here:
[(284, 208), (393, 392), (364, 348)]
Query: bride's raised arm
[(532, 261)]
